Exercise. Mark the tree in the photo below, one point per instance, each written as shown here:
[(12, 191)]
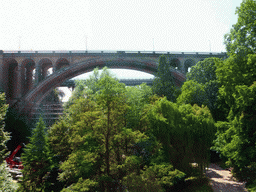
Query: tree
[(80, 91), (202, 87), (92, 138), (163, 83), (6, 183), (237, 141), (193, 93), (233, 72), (4, 136), (137, 98), (241, 39), (36, 160), (186, 133)]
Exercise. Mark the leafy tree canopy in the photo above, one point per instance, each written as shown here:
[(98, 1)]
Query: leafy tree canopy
[(236, 140), (233, 72), (241, 39), (202, 87), (185, 131)]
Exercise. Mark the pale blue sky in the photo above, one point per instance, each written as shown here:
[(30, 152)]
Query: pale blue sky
[(185, 25)]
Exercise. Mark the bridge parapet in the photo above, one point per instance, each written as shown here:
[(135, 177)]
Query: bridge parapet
[(110, 52)]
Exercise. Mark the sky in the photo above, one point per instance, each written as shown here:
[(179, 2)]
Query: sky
[(138, 25)]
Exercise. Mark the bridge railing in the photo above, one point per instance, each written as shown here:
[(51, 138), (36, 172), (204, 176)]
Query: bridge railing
[(110, 51)]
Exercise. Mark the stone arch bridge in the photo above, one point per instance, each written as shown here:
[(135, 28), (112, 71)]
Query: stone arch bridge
[(26, 78)]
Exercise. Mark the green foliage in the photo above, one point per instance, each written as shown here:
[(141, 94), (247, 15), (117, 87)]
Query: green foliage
[(202, 87), (204, 71), (4, 136), (236, 140), (137, 183), (36, 160), (154, 178), (6, 182), (82, 185), (92, 139), (163, 83), (192, 93), (137, 98), (53, 96), (79, 91), (19, 127), (186, 133), (233, 72), (241, 39)]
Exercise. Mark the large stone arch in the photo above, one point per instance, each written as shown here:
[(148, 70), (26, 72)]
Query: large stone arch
[(37, 94)]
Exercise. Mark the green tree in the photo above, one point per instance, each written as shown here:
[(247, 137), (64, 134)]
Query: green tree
[(192, 93), (163, 83), (36, 160), (239, 68), (202, 87), (94, 136), (79, 91), (237, 141), (137, 98), (6, 183), (233, 72), (240, 40), (186, 133), (4, 136)]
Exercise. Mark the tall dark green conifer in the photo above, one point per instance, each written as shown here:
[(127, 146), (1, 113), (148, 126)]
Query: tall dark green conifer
[(36, 160), (163, 84)]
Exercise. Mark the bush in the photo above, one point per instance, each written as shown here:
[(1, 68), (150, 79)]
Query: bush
[(82, 185), (155, 178), (6, 182)]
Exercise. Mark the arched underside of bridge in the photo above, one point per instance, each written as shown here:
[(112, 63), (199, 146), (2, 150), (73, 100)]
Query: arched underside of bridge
[(34, 97)]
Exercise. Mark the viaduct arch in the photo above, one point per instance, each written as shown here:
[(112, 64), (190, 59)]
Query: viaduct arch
[(27, 77)]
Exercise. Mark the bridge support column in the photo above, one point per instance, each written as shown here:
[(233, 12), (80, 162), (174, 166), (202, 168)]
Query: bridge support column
[(1, 71), (19, 82), (53, 68), (38, 74)]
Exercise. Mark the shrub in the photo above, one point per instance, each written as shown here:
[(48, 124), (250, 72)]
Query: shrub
[(82, 185), (6, 182), (155, 178)]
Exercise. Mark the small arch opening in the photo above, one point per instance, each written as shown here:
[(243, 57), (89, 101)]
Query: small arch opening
[(188, 64), (175, 63), (46, 69), (61, 63)]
